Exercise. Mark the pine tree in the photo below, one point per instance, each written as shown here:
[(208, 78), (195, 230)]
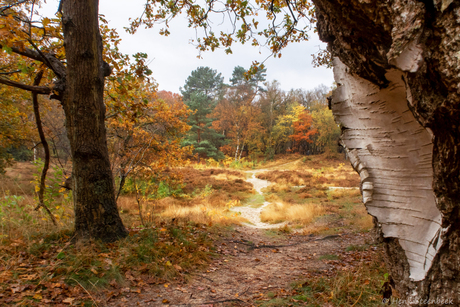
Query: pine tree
[(201, 93)]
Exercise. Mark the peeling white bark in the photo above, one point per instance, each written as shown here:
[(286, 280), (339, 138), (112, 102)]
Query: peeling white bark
[(392, 153)]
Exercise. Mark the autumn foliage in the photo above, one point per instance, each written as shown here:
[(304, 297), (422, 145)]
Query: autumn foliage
[(303, 131)]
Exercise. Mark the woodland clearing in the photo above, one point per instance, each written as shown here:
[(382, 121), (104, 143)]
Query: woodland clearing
[(197, 248)]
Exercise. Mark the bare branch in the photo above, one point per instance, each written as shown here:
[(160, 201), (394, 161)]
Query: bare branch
[(4, 8), (44, 90), (49, 60), (10, 72)]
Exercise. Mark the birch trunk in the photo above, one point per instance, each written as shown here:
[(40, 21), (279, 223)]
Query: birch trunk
[(397, 68)]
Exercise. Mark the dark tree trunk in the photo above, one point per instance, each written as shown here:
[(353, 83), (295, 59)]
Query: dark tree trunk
[(398, 100), (96, 213)]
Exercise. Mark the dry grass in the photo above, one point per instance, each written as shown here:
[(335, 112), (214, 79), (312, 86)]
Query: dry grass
[(359, 219), (280, 212), (209, 209), (344, 193), (286, 177), (18, 179), (229, 181)]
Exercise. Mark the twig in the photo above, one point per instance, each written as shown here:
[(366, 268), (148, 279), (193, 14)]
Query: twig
[(92, 298), (223, 301), (244, 292), (205, 278), (357, 299), (253, 246)]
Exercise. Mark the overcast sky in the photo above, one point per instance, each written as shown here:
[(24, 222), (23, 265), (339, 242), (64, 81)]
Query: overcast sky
[(173, 58)]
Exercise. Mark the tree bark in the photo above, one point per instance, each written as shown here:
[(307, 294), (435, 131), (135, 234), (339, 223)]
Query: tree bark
[(398, 75), (96, 213)]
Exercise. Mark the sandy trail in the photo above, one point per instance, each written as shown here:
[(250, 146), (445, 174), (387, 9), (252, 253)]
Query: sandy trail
[(253, 214)]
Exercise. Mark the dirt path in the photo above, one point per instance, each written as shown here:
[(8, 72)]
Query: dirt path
[(252, 266)]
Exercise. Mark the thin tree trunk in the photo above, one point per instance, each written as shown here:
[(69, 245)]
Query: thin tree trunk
[(198, 141), (241, 152), (237, 148), (41, 191), (96, 212)]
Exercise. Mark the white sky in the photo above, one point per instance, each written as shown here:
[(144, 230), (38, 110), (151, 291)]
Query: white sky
[(173, 58)]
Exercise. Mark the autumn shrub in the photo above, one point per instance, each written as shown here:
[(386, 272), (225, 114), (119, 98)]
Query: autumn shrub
[(319, 194), (194, 179), (277, 188), (348, 182), (305, 195), (293, 177)]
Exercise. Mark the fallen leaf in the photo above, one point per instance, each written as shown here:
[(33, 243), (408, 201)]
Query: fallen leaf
[(68, 300), (38, 296), (165, 301)]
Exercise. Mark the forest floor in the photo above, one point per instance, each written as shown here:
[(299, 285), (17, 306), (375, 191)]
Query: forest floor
[(259, 268), (294, 233)]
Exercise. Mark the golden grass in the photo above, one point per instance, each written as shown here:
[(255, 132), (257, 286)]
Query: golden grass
[(211, 209), (280, 212), (344, 193), (18, 179), (19, 219), (360, 219)]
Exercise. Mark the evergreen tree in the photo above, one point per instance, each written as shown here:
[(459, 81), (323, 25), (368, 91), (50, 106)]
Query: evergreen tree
[(201, 92), (239, 78), (203, 80)]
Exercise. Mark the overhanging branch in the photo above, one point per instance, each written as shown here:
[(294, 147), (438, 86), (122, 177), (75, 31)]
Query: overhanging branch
[(49, 60), (44, 90)]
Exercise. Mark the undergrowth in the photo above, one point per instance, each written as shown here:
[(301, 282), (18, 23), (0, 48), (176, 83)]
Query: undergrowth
[(56, 267)]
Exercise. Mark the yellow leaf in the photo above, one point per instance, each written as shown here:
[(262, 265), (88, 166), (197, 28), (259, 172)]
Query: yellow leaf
[(166, 285), (38, 296), (168, 263)]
